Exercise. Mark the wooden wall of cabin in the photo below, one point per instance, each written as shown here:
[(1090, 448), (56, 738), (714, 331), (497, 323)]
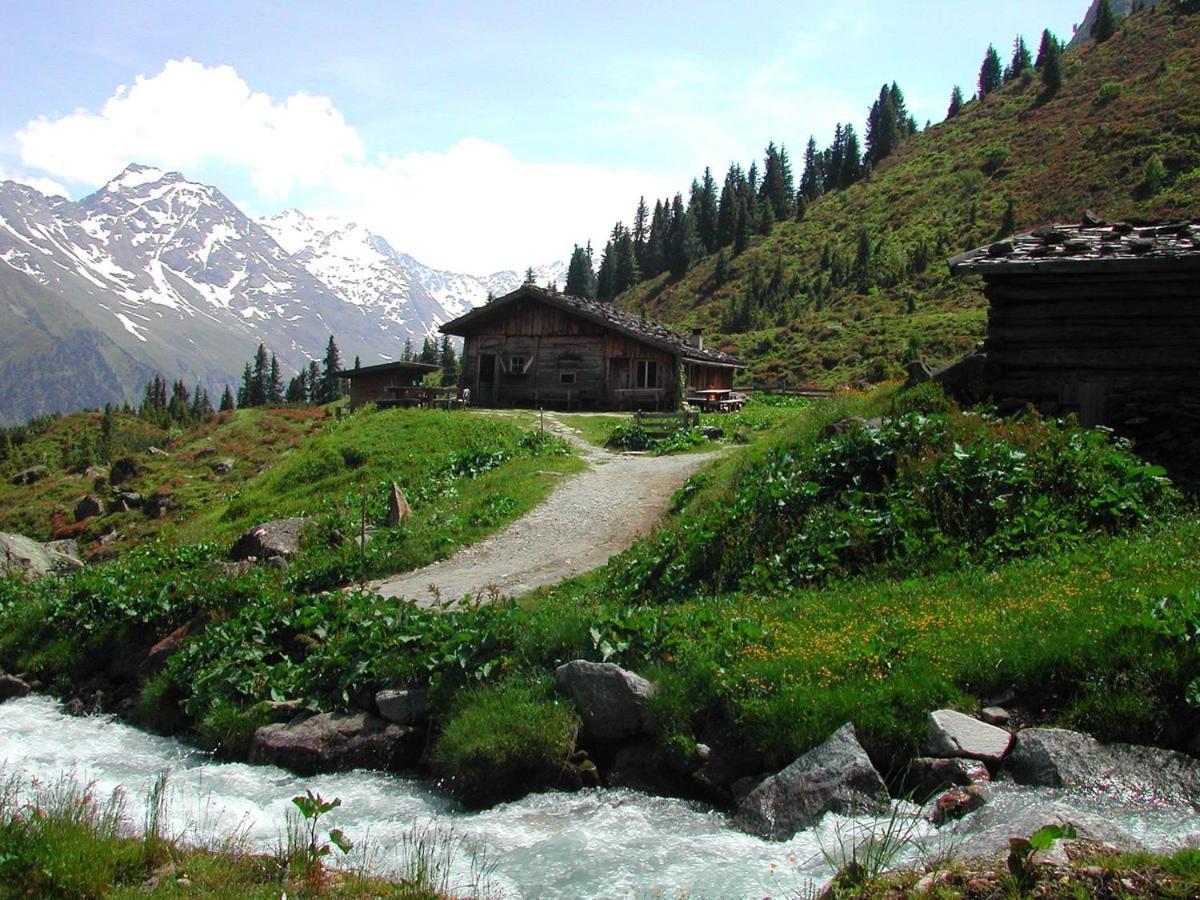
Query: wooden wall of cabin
[(558, 353), (709, 378), (370, 387), (1117, 350)]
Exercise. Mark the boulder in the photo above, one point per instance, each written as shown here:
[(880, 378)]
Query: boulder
[(223, 466), (835, 777), (995, 715), (157, 451), (407, 707), (398, 508), (156, 658), (12, 687), (160, 504), (927, 776), (64, 554), (88, 506), (337, 742), (123, 470), (950, 733), (30, 475), (124, 501), (280, 537), (26, 558), (613, 703), (958, 802), (1057, 757)]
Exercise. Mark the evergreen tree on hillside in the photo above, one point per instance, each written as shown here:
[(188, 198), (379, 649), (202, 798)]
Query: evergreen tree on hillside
[(704, 205), (1021, 60), (330, 387), (247, 387), (656, 243), (882, 132), (274, 383), (407, 353), (261, 375), (1048, 39), (956, 102), (812, 182), (1052, 69), (180, 404), (851, 170), (1105, 25), (297, 389), (727, 208), (227, 403), (530, 277), (581, 278), (991, 74), (778, 187), (448, 360), (683, 246), (429, 354), (202, 408), (641, 234), (313, 381)]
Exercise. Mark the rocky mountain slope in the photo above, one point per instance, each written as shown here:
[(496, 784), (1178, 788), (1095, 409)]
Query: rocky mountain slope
[(155, 273)]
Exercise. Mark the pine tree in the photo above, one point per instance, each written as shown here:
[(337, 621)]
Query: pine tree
[(882, 128), (180, 404), (1105, 25), (683, 246), (1021, 60), (1052, 76), (313, 381), (656, 244), (448, 360), (202, 408), (407, 353), (530, 277), (778, 188), (705, 211), (812, 183), (991, 74), (297, 389), (227, 401), (260, 385), (766, 216), (727, 208), (1009, 223), (851, 170), (1048, 38), (357, 362), (956, 102), (581, 280), (626, 274), (801, 206), (641, 234), (331, 388)]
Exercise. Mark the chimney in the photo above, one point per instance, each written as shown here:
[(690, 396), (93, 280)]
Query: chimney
[(697, 339)]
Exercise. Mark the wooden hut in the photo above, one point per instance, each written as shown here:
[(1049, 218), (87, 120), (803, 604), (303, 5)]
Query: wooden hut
[(384, 382), (535, 347), (1098, 320)]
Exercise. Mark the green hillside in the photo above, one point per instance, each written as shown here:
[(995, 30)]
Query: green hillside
[(1123, 102)]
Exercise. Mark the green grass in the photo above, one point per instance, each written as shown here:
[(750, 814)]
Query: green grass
[(939, 195)]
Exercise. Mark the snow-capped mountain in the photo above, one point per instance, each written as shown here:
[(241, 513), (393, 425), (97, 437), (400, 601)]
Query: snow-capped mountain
[(155, 273), (461, 293)]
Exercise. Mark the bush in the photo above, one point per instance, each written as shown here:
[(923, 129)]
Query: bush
[(501, 736), (630, 436), (1109, 91)]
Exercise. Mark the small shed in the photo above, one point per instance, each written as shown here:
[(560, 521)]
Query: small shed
[(536, 347), (1097, 319), (372, 384)]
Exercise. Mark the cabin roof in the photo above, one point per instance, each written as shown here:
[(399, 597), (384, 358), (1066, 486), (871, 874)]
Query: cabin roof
[(1093, 246), (416, 368), (605, 314)]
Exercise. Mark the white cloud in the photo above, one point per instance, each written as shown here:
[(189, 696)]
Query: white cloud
[(47, 186), (188, 114), (474, 207)]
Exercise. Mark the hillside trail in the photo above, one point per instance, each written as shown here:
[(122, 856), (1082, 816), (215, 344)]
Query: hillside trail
[(587, 519)]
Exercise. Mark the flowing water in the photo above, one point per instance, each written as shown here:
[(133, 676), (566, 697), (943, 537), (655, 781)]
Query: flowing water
[(605, 843)]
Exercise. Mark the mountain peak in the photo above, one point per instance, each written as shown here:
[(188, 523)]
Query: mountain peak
[(136, 175)]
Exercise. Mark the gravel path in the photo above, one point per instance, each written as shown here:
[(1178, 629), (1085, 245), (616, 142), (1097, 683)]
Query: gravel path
[(590, 517)]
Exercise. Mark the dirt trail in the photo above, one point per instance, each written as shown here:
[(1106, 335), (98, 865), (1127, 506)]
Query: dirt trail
[(586, 520)]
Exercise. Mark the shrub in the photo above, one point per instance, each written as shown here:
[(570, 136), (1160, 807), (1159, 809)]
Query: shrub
[(500, 736), (1154, 174), (994, 157), (1109, 91)]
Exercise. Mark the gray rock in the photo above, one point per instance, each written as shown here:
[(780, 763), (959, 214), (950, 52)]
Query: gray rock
[(124, 501), (984, 834), (407, 707), (278, 562), (156, 451), (928, 776), (612, 702), (835, 777), (26, 558), (30, 475), (995, 715), (223, 466), (1057, 757), (160, 504), (398, 508), (280, 537), (336, 742), (123, 470), (88, 506), (12, 687), (64, 554), (958, 802), (951, 733)]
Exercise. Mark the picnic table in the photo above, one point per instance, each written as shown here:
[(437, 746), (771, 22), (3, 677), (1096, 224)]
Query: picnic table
[(422, 396), (716, 400)]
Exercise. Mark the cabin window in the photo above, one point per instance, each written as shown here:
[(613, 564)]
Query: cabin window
[(566, 377), (516, 365), (647, 373)]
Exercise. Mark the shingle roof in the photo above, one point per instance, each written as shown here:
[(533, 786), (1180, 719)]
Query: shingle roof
[(1092, 246), (606, 314), (381, 368)]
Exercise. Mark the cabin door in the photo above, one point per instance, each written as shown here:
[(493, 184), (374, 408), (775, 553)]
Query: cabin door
[(488, 363)]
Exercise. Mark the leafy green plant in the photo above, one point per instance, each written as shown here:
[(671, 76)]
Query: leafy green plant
[(1021, 862), (310, 851)]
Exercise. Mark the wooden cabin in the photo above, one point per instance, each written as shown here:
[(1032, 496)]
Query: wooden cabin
[(382, 384), (1098, 320), (536, 347)]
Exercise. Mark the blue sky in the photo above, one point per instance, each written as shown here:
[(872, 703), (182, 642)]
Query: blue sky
[(476, 136)]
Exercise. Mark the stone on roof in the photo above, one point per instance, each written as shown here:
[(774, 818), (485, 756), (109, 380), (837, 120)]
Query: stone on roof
[(1091, 246), (606, 314)]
